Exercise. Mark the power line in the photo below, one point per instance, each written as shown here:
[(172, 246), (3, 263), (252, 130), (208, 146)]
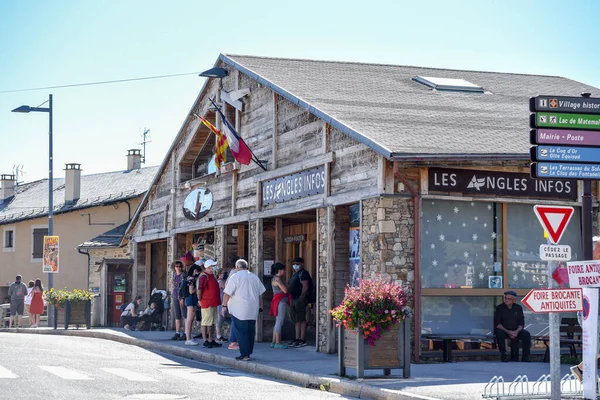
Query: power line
[(99, 82)]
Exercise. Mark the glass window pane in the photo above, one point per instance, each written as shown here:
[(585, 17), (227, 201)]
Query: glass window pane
[(525, 235), (458, 315), (461, 244)]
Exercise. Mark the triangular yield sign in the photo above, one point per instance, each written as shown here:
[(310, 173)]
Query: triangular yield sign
[(554, 220)]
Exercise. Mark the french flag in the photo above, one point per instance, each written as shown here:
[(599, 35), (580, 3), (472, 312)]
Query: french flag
[(239, 149)]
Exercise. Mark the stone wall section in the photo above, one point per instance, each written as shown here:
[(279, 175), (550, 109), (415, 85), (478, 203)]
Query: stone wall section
[(324, 318), (97, 257), (388, 242)]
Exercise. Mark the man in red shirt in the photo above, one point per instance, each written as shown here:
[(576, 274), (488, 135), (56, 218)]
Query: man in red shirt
[(209, 298)]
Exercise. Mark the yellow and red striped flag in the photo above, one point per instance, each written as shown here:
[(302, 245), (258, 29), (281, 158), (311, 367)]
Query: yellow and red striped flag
[(221, 143)]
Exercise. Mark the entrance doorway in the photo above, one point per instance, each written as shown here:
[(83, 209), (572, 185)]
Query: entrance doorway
[(284, 239), (119, 290)]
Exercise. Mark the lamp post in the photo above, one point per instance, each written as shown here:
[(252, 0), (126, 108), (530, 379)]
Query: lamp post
[(28, 109)]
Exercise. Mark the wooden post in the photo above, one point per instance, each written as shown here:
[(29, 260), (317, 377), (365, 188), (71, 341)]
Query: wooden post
[(275, 133), (405, 331), (360, 350), (258, 245), (330, 278), (341, 355), (279, 241)]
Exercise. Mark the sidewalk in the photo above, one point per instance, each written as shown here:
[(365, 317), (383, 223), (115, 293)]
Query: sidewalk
[(305, 367)]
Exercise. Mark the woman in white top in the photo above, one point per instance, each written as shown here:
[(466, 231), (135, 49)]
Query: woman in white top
[(28, 297)]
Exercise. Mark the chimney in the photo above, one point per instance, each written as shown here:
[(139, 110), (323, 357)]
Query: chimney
[(7, 187), (72, 182), (134, 159)]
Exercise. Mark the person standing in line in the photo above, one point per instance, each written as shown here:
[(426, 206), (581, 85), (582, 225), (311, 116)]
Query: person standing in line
[(129, 316), (179, 309), (191, 301), (279, 304), (37, 303), (243, 296), (30, 286), (209, 298), (300, 285), (17, 292), (221, 279)]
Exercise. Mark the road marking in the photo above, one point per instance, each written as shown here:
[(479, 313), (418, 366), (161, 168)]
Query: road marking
[(128, 374), (192, 374), (65, 373), (6, 374)]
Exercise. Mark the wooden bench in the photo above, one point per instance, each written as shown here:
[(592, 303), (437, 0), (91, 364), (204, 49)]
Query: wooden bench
[(447, 340), (570, 336)]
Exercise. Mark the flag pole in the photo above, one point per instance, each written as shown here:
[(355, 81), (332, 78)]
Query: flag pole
[(254, 158)]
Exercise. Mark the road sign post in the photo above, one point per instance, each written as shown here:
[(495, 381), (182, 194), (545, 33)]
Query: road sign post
[(574, 121), (554, 220)]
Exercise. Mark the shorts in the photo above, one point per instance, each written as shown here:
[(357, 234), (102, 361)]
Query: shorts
[(298, 310), (209, 316), (191, 301), (179, 311), (17, 307)]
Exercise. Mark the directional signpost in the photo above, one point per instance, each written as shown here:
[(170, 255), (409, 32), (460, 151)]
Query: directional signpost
[(566, 138), (554, 220), (554, 300)]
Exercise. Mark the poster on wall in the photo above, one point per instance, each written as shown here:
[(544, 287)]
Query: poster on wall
[(354, 245), (50, 263)]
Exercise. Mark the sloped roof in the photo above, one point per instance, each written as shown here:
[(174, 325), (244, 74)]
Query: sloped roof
[(31, 199), (111, 238), (382, 107)]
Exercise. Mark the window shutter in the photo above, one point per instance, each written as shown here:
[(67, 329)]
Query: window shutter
[(38, 242)]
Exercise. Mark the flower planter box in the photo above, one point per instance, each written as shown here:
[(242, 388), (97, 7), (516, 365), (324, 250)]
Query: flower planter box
[(78, 313), (391, 351)]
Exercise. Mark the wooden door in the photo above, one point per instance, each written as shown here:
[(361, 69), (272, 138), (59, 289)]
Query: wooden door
[(158, 266)]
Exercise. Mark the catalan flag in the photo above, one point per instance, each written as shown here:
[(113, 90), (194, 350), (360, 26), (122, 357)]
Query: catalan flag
[(221, 145)]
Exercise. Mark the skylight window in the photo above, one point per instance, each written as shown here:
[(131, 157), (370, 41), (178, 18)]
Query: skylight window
[(448, 84)]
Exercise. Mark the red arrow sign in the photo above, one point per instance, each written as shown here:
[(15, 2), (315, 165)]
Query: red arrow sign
[(554, 300), (554, 220)]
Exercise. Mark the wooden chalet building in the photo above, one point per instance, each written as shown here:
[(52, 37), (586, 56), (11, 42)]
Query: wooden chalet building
[(416, 174)]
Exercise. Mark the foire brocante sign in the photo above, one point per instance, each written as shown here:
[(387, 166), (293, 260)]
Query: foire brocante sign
[(499, 184)]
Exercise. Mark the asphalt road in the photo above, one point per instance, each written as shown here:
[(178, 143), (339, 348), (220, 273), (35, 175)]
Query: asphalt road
[(65, 367)]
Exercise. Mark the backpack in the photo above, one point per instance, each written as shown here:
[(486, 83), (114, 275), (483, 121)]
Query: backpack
[(312, 291), (183, 291), (123, 306)]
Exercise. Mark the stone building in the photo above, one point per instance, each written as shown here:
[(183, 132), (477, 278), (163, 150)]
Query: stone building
[(419, 175)]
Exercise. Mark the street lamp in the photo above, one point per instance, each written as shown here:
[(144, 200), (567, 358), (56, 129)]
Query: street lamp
[(28, 109)]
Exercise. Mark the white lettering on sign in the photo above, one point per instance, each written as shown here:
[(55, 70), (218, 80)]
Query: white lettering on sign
[(555, 252), (584, 274), (554, 300)]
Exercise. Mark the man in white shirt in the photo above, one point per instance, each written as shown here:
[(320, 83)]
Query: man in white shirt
[(242, 298)]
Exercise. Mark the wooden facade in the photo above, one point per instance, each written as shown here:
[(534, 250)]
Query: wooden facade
[(291, 140)]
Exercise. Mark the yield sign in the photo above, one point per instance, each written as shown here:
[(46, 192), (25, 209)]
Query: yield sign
[(554, 220)]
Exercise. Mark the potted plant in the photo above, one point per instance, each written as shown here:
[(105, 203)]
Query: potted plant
[(71, 307), (374, 328)]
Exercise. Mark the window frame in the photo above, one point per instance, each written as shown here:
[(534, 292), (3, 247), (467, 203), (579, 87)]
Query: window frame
[(5, 248), (504, 226)]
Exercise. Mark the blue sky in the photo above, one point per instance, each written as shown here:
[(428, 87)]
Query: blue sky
[(68, 42)]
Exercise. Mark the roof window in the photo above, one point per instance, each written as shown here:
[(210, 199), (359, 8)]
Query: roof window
[(448, 84)]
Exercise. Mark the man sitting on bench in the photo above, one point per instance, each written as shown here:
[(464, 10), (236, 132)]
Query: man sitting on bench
[(509, 322)]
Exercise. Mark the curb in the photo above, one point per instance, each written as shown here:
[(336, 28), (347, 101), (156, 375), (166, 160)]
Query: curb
[(344, 387)]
